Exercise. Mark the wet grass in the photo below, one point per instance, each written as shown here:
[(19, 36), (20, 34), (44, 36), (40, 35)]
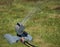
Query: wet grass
[(43, 26)]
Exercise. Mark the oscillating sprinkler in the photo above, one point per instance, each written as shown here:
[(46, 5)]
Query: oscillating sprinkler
[(22, 35)]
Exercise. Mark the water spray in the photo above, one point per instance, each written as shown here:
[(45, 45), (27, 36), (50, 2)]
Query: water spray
[(29, 15)]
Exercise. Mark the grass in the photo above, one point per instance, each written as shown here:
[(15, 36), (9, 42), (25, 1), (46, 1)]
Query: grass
[(44, 25)]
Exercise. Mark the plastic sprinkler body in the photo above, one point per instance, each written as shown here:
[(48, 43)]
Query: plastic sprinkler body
[(19, 28)]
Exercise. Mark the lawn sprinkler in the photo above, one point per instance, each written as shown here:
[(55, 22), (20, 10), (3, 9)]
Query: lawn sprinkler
[(22, 35)]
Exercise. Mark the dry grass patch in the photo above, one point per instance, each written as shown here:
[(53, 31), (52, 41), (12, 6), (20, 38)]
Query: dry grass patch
[(54, 6), (6, 2), (30, 0), (54, 15)]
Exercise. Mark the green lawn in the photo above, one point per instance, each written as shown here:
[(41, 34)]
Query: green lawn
[(44, 25)]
